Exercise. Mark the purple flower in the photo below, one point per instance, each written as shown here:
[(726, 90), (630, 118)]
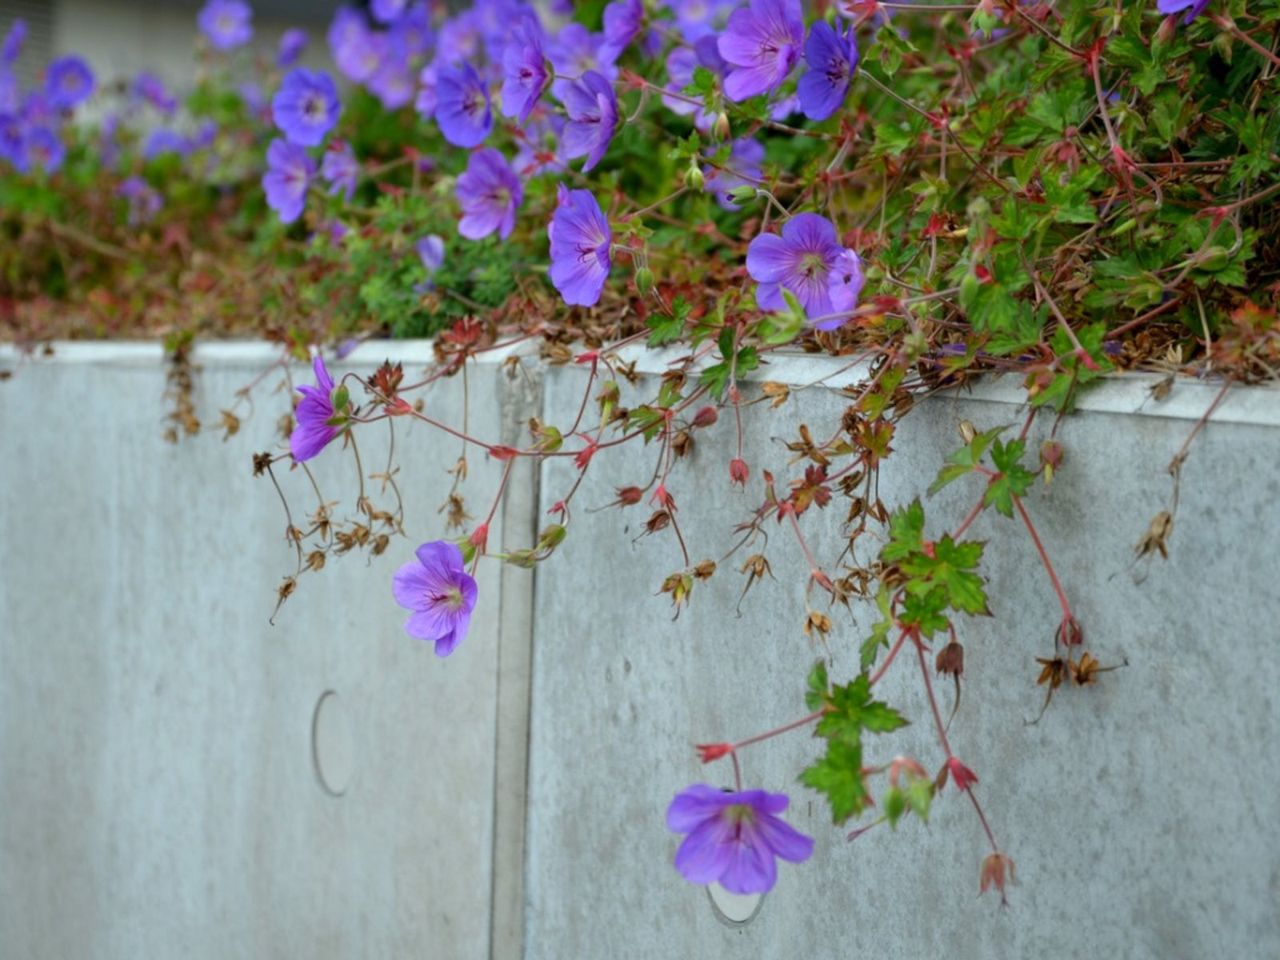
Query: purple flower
[(388, 11), (315, 412), (144, 201), (12, 146), (162, 141), (743, 169), (306, 106), (846, 284), (292, 42), (340, 169), (43, 149), (1193, 7), (393, 84), (68, 83), (11, 47), (809, 261), (580, 238), (437, 588), (734, 838), (831, 56), (537, 151), (701, 18), (622, 22), (463, 110), (412, 35), (762, 42), (227, 23), (592, 107), (524, 71), (573, 52), (147, 86), (427, 101), (357, 50), (431, 252), (289, 173), (489, 193)]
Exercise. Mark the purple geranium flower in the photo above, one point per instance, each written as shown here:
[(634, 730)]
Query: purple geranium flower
[(579, 235), (743, 169), (357, 50), (846, 284), (12, 147), (1193, 7), (289, 173), (437, 588), (593, 117), (306, 107), (831, 56), (809, 261), (340, 169), (734, 838), (143, 199), (431, 252), (701, 18), (68, 83), (463, 110), (388, 11), (622, 22), (426, 101), (147, 86), (412, 35), (524, 71), (292, 42), (489, 193), (393, 84), (762, 42), (315, 413), (227, 23), (573, 51), (11, 47), (43, 149)]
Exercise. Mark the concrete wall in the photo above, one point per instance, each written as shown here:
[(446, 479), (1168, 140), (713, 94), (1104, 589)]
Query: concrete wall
[(158, 796), (157, 790)]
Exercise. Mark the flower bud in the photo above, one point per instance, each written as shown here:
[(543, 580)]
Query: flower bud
[(339, 398), (705, 417), (644, 280), (738, 471), (693, 178), (742, 194), (720, 129)]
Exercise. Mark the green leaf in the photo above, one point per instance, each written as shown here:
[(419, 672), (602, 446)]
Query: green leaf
[(817, 684), (906, 533), (894, 804), (964, 460), (1013, 480), (838, 775), (666, 329)]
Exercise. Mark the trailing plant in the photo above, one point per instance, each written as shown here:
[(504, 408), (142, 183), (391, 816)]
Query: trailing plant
[(1052, 192)]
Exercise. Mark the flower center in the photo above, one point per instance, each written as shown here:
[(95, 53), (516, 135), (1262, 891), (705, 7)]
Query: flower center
[(813, 264), (451, 598)]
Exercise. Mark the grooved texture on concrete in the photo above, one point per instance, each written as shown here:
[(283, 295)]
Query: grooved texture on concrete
[(1141, 813), (157, 793)]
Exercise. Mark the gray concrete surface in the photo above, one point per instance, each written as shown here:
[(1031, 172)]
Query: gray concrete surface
[(158, 795), (157, 790), (1141, 814)]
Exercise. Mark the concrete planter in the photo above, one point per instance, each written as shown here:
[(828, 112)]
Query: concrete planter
[(158, 768)]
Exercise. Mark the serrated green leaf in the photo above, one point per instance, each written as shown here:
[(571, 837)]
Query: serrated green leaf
[(838, 776)]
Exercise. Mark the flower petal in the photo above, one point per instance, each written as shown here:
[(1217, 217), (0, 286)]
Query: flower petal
[(707, 852)]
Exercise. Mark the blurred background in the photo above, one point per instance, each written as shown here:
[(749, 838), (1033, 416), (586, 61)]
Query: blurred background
[(121, 37)]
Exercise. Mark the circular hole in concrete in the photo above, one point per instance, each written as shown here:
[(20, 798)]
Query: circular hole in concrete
[(332, 752), (733, 909)]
